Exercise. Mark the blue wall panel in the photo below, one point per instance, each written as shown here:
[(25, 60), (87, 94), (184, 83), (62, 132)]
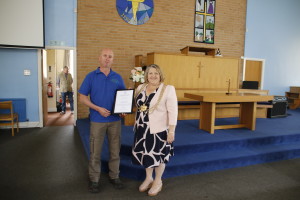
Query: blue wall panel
[(13, 82), (19, 106)]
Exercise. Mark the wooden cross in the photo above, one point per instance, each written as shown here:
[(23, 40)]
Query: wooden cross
[(199, 70)]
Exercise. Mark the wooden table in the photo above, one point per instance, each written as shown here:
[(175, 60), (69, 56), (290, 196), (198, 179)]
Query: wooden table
[(208, 101)]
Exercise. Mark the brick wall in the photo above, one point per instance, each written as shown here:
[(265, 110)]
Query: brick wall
[(170, 29)]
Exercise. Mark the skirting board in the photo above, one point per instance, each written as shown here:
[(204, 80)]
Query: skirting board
[(25, 125)]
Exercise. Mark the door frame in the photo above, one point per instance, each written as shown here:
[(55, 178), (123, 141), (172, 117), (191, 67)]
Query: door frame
[(42, 124), (262, 69)]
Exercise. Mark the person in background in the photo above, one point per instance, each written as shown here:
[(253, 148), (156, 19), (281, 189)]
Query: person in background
[(101, 85), (155, 122), (64, 83)]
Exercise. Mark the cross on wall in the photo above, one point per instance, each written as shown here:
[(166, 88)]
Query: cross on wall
[(199, 66)]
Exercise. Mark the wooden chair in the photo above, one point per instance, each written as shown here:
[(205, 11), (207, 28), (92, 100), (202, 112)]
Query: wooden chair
[(250, 85), (9, 118)]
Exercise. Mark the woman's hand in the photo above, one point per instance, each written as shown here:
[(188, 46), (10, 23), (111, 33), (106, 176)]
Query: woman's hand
[(171, 137)]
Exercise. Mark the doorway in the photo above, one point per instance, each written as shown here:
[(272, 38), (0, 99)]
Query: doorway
[(253, 70), (55, 60)]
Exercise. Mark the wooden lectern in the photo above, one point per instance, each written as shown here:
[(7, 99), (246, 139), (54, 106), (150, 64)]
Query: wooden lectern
[(207, 51)]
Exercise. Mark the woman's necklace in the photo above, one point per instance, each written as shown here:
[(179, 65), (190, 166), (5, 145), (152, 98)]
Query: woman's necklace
[(144, 108), (151, 88)]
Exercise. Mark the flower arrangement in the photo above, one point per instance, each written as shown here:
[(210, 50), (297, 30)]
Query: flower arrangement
[(137, 75)]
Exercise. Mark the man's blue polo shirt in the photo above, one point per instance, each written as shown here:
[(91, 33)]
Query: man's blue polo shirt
[(102, 90)]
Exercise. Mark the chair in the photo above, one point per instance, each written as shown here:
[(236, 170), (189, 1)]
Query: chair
[(8, 117), (250, 85)]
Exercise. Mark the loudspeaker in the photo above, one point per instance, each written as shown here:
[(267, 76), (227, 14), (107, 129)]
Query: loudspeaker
[(250, 85), (279, 109)]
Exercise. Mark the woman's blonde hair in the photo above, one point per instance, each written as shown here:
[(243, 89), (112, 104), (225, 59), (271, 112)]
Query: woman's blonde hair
[(161, 75)]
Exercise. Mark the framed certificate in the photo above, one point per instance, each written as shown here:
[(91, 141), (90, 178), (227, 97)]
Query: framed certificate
[(123, 101)]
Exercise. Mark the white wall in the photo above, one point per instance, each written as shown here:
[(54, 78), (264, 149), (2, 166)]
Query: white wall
[(273, 33)]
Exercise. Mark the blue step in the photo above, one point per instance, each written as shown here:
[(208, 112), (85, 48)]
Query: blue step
[(197, 151), (235, 144), (195, 163)]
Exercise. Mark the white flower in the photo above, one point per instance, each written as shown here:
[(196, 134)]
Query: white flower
[(133, 71), (139, 69), (137, 75)]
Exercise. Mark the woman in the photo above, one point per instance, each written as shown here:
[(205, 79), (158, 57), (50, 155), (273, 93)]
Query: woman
[(154, 128)]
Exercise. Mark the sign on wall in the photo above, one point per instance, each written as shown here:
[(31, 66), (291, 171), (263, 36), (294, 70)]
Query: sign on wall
[(135, 12), (205, 21)]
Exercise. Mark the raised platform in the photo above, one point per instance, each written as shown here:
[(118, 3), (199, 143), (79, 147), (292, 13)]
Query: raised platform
[(197, 151)]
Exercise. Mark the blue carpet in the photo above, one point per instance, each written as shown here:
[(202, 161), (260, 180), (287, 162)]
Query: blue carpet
[(197, 151)]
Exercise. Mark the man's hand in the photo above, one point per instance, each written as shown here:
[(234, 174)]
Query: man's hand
[(103, 111), (122, 115)]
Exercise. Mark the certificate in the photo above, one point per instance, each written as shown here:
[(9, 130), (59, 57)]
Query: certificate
[(123, 101)]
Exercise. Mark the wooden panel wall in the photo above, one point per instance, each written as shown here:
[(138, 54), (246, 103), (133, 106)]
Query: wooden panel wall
[(188, 73)]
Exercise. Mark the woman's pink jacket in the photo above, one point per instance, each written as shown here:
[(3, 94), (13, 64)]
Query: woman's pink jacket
[(166, 112)]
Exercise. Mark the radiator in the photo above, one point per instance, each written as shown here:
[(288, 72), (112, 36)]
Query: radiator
[(19, 105)]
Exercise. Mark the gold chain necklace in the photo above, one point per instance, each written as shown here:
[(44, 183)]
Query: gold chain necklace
[(144, 108)]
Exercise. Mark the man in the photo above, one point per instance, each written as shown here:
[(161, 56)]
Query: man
[(102, 85), (65, 82)]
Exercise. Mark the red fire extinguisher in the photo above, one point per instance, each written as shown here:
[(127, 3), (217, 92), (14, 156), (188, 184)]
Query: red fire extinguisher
[(49, 90)]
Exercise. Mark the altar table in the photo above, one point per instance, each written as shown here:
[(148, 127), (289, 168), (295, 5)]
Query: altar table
[(247, 102)]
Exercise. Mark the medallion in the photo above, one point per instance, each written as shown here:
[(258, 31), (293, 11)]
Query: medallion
[(143, 108)]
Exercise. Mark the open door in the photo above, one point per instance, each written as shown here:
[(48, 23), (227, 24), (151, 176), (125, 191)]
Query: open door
[(53, 62), (44, 70), (253, 70), (44, 87)]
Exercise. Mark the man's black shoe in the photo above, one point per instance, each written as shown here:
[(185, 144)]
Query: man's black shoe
[(93, 187), (117, 183)]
